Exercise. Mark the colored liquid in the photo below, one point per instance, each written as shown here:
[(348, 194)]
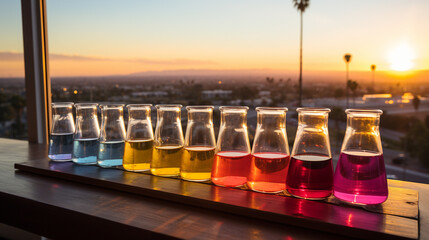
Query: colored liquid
[(360, 178), (310, 176), (85, 151), (110, 154), (230, 169), (197, 163), (268, 172), (166, 161), (138, 155), (61, 147)]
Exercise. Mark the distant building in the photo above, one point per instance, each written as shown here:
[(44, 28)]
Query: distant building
[(377, 97), (150, 94), (264, 94), (210, 94)]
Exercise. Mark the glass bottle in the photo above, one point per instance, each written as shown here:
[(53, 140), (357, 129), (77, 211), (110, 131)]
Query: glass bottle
[(270, 151), (310, 173), (112, 136), (85, 142), (232, 161), (360, 176), (139, 141), (200, 144), (61, 137), (168, 144)]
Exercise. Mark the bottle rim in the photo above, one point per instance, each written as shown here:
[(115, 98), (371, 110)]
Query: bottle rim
[(112, 106), (86, 105), (62, 104), (160, 106), (200, 107), (272, 109), (139, 106), (233, 108), (364, 111), (313, 109)]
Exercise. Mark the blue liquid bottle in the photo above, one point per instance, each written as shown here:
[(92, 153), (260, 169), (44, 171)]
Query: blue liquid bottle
[(85, 143), (61, 137), (112, 136)]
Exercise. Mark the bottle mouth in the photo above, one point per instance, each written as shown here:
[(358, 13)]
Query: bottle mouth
[(237, 109), (62, 104), (200, 107), (139, 106), (278, 110), (86, 105), (169, 106), (313, 110), (112, 106), (364, 112)]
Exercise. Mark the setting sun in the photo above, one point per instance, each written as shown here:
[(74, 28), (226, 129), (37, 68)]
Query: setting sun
[(401, 58)]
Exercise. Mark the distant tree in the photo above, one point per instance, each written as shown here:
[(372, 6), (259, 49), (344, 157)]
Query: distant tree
[(373, 67), (301, 6), (18, 104), (347, 59), (416, 143), (339, 92), (245, 92), (416, 102), (6, 113), (270, 81), (427, 121), (353, 85), (338, 115)]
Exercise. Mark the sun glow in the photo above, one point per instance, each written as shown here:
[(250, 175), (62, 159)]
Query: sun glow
[(401, 58)]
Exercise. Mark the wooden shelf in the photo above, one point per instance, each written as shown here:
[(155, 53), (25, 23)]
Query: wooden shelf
[(397, 218)]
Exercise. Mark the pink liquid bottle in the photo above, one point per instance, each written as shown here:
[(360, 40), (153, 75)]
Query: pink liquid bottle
[(360, 176), (270, 152), (232, 161), (310, 173)]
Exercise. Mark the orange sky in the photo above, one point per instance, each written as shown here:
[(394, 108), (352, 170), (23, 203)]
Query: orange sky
[(137, 36)]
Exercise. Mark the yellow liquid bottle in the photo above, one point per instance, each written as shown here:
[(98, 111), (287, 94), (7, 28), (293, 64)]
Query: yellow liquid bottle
[(138, 155), (166, 160), (197, 163)]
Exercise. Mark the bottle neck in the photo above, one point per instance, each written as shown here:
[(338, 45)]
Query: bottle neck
[(363, 124), (234, 120), (200, 117), (316, 121), (139, 114), (271, 121)]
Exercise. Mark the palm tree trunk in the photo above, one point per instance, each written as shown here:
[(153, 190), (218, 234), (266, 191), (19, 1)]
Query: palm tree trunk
[(300, 67), (347, 85)]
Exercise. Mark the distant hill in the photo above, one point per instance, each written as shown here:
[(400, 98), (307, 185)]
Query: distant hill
[(313, 76)]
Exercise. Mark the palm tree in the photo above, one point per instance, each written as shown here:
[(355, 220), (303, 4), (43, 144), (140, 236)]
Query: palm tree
[(353, 85), (416, 102), (301, 5), (347, 58), (373, 76)]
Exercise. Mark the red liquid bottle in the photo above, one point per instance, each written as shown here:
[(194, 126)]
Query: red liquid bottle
[(360, 176), (310, 174), (270, 154), (232, 161)]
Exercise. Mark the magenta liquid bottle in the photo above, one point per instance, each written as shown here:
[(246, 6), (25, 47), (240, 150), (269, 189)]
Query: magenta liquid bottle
[(360, 176), (310, 174), (270, 152)]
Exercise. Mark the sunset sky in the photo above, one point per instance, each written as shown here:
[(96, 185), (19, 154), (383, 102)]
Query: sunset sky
[(91, 38)]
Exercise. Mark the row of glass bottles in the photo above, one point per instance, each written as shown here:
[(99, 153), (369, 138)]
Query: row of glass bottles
[(359, 177)]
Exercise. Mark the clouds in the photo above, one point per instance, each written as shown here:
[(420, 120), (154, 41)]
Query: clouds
[(15, 57)]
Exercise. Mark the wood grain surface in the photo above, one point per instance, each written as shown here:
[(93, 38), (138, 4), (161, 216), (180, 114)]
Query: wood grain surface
[(57, 208), (332, 217)]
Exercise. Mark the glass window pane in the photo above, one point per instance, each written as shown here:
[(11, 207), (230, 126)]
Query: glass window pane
[(13, 121)]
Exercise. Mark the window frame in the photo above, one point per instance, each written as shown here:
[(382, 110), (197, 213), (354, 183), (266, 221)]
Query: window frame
[(37, 79)]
